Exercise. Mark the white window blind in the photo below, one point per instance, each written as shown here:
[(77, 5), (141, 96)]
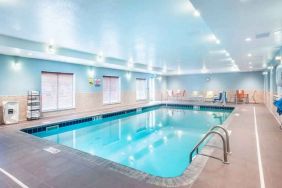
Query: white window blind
[(49, 88), (57, 91), (141, 89), (111, 90)]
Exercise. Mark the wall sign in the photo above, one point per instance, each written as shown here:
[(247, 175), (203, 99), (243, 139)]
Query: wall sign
[(97, 82)]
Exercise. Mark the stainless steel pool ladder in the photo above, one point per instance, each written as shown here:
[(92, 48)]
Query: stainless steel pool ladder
[(226, 136), (226, 146)]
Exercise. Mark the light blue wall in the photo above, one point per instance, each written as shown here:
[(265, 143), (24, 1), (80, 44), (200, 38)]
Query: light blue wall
[(220, 81), (28, 77)]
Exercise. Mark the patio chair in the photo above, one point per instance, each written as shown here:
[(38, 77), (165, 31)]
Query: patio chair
[(209, 96)]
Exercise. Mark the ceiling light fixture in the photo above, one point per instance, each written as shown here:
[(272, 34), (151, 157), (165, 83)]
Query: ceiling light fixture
[(16, 64), (204, 70), (212, 38), (100, 57), (196, 13), (248, 39), (130, 63), (51, 49), (250, 55)]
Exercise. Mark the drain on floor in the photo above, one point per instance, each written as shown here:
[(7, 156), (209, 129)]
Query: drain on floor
[(52, 150)]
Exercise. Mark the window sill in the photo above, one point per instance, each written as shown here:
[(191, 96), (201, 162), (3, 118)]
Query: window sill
[(108, 104), (58, 110), (141, 100)]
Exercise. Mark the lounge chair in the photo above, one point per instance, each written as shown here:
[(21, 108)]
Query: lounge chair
[(241, 96), (179, 94), (222, 98), (196, 96), (209, 96)]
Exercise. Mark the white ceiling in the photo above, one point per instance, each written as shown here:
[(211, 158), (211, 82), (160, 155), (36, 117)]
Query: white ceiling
[(233, 21), (164, 34)]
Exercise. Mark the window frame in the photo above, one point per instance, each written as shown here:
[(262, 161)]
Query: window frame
[(146, 89), (57, 105), (119, 90)]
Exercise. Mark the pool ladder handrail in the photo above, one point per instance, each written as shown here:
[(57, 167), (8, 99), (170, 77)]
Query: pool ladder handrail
[(224, 142), (226, 136)]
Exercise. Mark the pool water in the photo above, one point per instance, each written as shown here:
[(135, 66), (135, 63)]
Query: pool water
[(157, 140)]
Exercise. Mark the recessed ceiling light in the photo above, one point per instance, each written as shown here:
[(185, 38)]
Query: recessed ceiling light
[(212, 38), (250, 67), (196, 13), (248, 39), (250, 55)]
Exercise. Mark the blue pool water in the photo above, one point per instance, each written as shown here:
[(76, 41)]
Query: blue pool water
[(156, 141)]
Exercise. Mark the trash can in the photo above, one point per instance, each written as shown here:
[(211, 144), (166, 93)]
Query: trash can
[(10, 112)]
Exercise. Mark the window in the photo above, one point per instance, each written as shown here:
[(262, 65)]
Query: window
[(141, 89), (57, 91), (111, 90)]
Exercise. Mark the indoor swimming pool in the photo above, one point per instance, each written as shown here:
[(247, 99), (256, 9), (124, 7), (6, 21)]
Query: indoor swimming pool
[(155, 140)]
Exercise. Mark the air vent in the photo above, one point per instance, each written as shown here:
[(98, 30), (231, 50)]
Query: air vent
[(262, 35)]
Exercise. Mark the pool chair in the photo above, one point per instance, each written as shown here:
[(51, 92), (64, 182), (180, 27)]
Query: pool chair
[(209, 96), (196, 96), (221, 98), (241, 96), (179, 94)]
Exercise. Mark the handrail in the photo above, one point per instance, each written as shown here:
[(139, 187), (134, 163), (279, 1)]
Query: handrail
[(196, 148), (226, 136)]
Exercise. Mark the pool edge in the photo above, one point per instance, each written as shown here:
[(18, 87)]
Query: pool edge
[(187, 178)]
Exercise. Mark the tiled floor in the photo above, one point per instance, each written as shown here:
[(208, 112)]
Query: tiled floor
[(22, 156)]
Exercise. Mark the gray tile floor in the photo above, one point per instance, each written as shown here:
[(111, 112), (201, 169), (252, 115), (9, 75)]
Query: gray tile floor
[(22, 156)]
